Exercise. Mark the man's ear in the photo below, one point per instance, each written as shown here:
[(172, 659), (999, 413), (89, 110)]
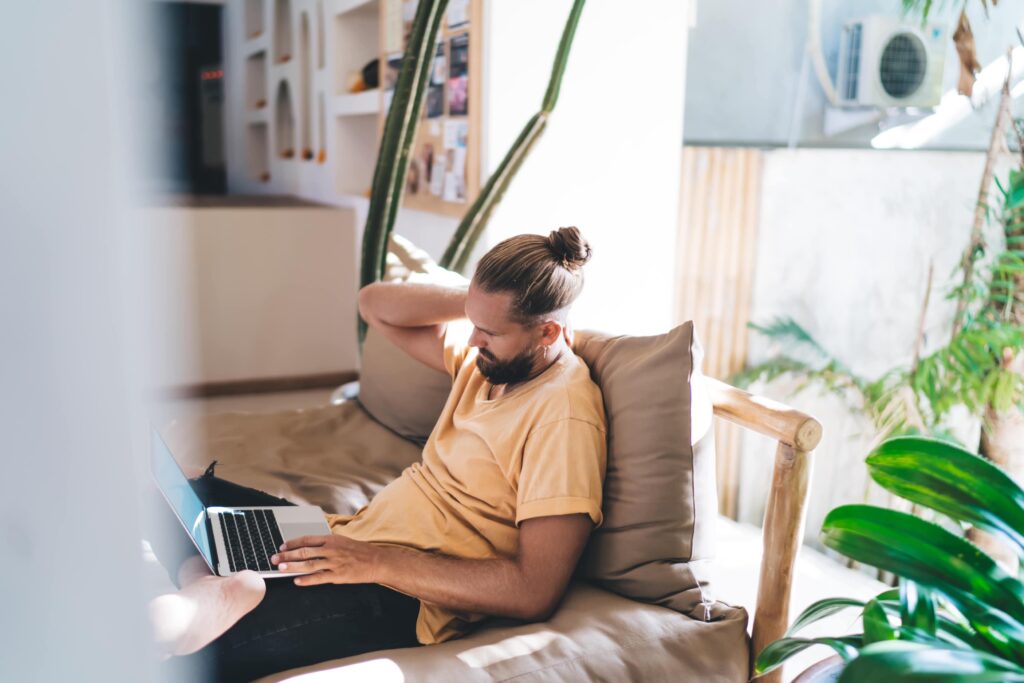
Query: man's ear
[(550, 331)]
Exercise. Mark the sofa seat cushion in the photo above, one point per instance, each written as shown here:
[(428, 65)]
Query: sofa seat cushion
[(594, 636), (334, 456), (338, 457)]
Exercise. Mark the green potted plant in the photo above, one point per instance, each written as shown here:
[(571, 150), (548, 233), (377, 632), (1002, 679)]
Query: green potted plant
[(957, 614)]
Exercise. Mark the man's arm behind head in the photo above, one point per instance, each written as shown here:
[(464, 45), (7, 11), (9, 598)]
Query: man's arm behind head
[(413, 316)]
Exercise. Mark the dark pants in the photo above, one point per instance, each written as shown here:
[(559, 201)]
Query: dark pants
[(293, 626)]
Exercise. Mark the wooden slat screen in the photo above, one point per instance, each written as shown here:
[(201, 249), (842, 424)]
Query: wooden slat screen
[(718, 210)]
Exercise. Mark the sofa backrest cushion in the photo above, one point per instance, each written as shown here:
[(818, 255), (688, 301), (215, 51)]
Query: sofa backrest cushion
[(660, 500), (398, 391)]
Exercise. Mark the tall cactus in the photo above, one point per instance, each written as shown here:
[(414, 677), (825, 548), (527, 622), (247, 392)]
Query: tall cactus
[(456, 256), (396, 143)]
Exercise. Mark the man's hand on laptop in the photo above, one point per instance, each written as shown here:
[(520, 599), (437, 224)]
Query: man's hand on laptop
[(331, 558)]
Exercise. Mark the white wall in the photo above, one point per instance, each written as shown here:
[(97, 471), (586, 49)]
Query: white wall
[(256, 292), (609, 160), (844, 242), (72, 597)]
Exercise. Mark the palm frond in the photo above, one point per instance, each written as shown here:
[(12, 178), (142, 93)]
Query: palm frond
[(787, 332)]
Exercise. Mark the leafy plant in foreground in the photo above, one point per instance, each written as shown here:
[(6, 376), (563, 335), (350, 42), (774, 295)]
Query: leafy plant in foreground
[(957, 614)]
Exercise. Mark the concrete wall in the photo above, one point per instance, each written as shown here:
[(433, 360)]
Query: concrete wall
[(744, 67), (845, 239), (252, 292)]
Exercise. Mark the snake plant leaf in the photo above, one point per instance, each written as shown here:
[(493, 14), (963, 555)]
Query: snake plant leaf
[(897, 661), (917, 608), (991, 599), (396, 142), (776, 653), (876, 624), (953, 481), (820, 610), (471, 227)]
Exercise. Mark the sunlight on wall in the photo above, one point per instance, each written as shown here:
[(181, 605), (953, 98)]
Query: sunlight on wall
[(609, 160)]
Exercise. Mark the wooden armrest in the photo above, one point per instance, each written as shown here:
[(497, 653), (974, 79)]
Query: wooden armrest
[(765, 416), (797, 434)]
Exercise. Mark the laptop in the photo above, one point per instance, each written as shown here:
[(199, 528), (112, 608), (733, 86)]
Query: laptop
[(232, 539)]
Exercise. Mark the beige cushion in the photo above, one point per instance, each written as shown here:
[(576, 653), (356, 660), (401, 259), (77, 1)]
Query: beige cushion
[(660, 502), (594, 636), (401, 393), (334, 456)]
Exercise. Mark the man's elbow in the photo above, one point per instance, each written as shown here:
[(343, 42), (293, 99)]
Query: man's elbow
[(540, 607)]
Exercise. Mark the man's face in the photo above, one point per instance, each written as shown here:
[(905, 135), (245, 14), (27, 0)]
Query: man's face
[(508, 351)]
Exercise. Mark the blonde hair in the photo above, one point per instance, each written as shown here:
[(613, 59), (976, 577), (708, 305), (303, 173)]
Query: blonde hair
[(543, 274)]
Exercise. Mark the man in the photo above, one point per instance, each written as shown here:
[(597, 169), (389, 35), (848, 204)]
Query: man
[(493, 519)]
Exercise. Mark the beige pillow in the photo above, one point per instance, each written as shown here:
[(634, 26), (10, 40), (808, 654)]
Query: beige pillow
[(398, 391), (660, 501)]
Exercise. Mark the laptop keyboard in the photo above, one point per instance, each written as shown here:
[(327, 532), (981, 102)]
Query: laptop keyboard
[(251, 537)]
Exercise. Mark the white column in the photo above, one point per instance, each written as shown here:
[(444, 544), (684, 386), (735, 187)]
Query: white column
[(609, 160)]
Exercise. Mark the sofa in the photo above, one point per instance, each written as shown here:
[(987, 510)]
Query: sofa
[(626, 616)]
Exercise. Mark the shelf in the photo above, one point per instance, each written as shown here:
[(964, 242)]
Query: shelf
[(355, 153), (257, 115), (348, 6), (254, 22), (356, 35), (256, 81), (283, 41), (256, 44), (284, 122), (357, 104), (258, 151)]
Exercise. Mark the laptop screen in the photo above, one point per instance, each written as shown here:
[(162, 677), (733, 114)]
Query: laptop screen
[(176, 489)]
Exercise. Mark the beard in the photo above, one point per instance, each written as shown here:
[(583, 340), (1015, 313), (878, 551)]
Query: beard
[(510, 371)]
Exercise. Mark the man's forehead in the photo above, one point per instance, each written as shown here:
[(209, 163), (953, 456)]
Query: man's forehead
[(488, 309)]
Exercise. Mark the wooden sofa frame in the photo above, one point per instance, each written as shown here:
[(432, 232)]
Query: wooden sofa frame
[(797, 434)]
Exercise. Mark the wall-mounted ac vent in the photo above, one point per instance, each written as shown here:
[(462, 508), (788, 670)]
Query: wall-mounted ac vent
[(884, 62)]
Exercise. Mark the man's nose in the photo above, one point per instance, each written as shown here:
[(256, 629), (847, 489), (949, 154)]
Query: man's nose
[(476, 339)]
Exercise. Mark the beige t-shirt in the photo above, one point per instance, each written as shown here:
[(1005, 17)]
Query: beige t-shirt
[(539, 450)]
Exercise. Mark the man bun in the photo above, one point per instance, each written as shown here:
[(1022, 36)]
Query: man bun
[(569, 247)]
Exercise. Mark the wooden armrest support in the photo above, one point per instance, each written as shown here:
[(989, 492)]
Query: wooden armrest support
[(765, 416), (798, 434)]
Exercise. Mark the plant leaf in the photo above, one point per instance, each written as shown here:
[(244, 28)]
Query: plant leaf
[(898, 662), (776, 653), (917, 609), (991, 599), (876, 624), (953, 481), (820, 610)]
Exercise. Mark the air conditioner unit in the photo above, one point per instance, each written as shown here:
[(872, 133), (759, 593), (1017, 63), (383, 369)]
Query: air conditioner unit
[(884, 62)]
